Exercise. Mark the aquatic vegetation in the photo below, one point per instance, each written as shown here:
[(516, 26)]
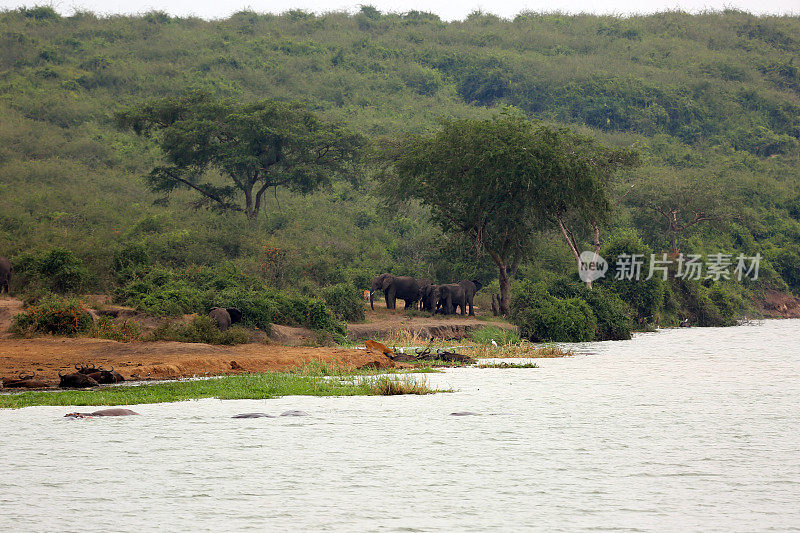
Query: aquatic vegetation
[(241, 387), (522, 349), (503, 364)]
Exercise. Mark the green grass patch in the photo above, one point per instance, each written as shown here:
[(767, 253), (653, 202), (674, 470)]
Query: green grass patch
[(488, 334), (522, 349), (508, 365), (242, 387)]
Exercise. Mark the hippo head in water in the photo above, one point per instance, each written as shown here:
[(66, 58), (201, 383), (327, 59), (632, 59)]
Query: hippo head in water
[(102, 412)]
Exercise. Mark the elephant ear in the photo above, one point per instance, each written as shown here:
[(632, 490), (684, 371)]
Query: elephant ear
[(236, 314), (478, 285), (386, 281)]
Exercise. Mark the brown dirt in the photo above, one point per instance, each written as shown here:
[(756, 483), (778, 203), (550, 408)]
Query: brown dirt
[(776, 304), (167, 360)]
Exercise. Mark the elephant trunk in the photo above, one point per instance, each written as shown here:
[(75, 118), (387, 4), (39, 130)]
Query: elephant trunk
[(371, 304)]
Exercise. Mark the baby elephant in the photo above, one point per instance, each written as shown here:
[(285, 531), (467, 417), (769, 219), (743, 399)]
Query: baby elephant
[(225, 316)]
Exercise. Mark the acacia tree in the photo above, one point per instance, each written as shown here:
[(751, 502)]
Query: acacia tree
[(498, 181), (675, 206), (231, 154)]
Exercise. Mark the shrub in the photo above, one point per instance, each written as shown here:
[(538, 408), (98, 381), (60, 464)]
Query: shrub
[(645, 297), (125, 331), (200, 329), (613, 315), (130, 260), (345, 302), (697, 305), (543, 317), (787, 262), (55, 270), (53, 314), (492, 333)]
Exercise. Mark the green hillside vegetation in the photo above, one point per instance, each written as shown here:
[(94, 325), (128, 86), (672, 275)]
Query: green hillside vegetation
[(711, 103)]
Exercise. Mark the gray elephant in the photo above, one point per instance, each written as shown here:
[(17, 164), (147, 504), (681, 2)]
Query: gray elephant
[(5, 274), (225, 316), (428, 297), (461, 294), (404, 287)]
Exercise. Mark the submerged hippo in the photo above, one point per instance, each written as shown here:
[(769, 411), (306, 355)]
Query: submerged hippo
[(253, 415), (464, 413), (103, 412), (294, 413)]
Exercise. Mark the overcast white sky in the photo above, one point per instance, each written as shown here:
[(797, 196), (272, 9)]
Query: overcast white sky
[(446, 9)]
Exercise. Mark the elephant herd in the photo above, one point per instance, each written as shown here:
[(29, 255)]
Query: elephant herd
[(425, 295)]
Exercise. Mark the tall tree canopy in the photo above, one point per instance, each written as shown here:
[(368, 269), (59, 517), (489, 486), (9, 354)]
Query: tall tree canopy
[(232, 153), (501, 180)]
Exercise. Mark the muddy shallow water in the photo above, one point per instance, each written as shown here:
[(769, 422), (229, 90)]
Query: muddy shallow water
[(691, 429)]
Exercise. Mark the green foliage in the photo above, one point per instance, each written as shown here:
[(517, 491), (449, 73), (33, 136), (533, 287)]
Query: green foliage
[(165, 292), (241, 387), (345, 302), (200, 329), (54, 314), (122, 331), (787, 262), (56, 270), (256, 146), (543, 317), (709, 99), (612, 313), (644, 296), (488, 334)]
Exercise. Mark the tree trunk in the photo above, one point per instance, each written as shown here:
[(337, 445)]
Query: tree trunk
[(505, 289), (248, 205), (495, 308), (574, 245)]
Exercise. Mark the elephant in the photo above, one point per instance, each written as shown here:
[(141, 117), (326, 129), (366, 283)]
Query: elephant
[(225, 316), (461, 294), (5, 274), (404, 287), (428, 297)]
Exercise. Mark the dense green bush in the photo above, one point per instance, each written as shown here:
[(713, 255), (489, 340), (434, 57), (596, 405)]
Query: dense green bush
[(345, 301), (123, 331), (56, 270), (200, 329), (787, 262), (165, 292), (612, 314), (697, 305), (54, 314), (543, 317), (645, 297)]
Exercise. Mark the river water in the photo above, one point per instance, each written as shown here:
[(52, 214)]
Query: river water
[(679, 430)]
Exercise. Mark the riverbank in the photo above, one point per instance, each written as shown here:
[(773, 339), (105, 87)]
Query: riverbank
[(47, 356), (259, 386)]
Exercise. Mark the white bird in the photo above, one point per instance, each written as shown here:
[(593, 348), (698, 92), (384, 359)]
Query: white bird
[(494, 343)]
